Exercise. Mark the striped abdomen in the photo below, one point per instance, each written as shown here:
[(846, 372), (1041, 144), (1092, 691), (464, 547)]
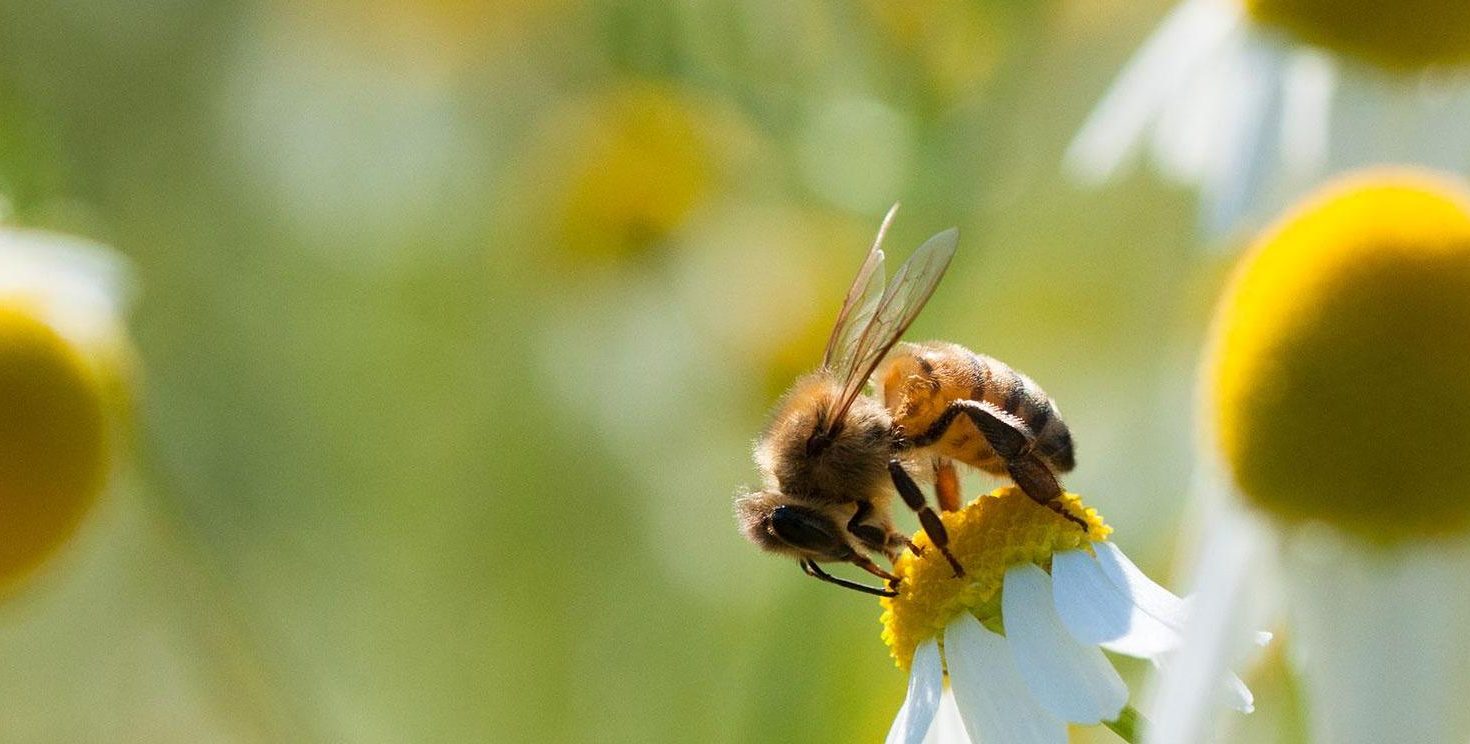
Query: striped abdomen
[(918, 381)]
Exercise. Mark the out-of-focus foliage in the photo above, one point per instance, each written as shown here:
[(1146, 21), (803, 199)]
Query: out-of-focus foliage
[(457, 321)]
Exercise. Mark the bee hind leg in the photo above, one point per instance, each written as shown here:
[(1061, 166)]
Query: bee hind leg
[(946, 484), (810, 568), (1014, 443)]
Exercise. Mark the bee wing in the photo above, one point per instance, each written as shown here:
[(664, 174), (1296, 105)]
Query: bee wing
[(894, 312), (861, 301)]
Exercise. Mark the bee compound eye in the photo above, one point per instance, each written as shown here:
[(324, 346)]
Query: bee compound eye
[(804, 529)]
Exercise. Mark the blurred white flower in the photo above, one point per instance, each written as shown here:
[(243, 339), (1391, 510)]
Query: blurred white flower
[(1339, 411), (1252, 101), (63, 363)]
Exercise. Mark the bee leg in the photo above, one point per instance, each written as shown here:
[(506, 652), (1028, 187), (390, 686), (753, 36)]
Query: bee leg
[(867, 564), (810, 568), (946, 485), (1015, 445), (873, 538), (933, 526)]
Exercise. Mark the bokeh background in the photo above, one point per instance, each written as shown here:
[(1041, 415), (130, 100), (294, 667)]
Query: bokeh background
[(457, 320)]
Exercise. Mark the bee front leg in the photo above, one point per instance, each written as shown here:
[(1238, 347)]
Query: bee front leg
[(896, 544), (931, 522), (810, 568), (872, 538)]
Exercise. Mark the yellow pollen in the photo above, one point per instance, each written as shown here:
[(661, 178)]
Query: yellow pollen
[(1399, 35), (997, 530), (1340, 369)]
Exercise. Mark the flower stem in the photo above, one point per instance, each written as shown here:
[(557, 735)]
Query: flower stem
[(1129, 725)]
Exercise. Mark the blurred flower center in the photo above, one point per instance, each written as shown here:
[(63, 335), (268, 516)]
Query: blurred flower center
[(638, 161), (1341, 367), (991, 533), (53, 440), (1397, 34)]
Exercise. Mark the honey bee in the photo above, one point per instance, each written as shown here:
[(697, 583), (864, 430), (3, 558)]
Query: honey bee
[(832, 457)]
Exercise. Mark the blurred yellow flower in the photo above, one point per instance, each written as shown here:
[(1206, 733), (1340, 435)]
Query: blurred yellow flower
[(1342, 369), (1399, 34), (53, 441), (623, 169), (62, 361), (958, 45)]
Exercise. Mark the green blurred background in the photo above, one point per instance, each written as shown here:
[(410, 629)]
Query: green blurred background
[(457, 321)]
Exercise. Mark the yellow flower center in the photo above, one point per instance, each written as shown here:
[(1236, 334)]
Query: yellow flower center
[(1341, 363), (1397, 34), (991, 533), (53, 441)]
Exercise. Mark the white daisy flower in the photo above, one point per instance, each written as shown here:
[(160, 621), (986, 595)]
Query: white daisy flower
[(1338, 391), (1021, 644), (1253, 101), (63, 360)]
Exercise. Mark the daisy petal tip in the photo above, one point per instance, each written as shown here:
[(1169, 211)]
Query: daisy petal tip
[(926, 683), (1097, 611), (989, 692)]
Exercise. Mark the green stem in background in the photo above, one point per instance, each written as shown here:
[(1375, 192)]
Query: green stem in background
[(1129, 725), (259, 675)]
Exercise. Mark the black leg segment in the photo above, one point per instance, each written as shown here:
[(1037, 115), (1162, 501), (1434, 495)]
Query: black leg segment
[(810, 568), (931, 522), (871, 537)]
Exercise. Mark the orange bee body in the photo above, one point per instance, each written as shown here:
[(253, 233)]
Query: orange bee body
[(917, 382)]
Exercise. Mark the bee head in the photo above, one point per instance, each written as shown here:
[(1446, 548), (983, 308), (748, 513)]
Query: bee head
[(780, 524)]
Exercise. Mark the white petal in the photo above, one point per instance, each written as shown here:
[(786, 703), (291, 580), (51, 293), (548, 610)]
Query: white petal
[(1153, 599), (1249, 156), (1233, 692), (1097, 611), (1072, 680), (1222, 611), (948, 728), (926, 681), (988, 689), (1382, 644), (1238, 696), (1187, 134), (81, 286), (1160, 68), (1308, 84)]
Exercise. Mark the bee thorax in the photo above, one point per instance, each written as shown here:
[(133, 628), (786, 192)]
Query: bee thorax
[(802, 456)]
